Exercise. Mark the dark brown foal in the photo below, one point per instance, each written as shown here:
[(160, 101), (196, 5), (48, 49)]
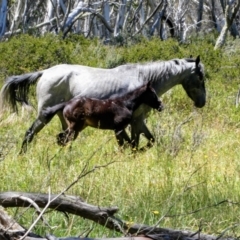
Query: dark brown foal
[(114, 114)]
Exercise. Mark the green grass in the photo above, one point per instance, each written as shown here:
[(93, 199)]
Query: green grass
[(193, 166)]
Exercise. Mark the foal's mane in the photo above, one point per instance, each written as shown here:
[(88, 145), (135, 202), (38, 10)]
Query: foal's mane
[(132, 94)]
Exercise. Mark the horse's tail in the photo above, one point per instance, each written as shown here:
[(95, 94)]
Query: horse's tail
[(16, 89), (49, 112)]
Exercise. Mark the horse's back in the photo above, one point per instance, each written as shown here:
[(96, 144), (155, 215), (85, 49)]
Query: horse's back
[(65, 81)]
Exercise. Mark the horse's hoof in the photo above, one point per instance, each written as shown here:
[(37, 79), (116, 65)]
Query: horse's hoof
[(61, 139), (60, 143), (21, 152), (23, 149)]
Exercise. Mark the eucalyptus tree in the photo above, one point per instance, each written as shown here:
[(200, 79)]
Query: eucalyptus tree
[(107, 19), (231, 9)]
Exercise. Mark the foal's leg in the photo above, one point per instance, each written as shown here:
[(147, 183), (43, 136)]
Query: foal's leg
[(71, 132), (62, 120), (138, 127), (121, 119), (64, 137)]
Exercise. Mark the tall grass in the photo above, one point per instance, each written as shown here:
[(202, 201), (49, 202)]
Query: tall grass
[(190, 177)]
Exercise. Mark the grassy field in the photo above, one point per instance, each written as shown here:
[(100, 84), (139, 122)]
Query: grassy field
[(190, 178)]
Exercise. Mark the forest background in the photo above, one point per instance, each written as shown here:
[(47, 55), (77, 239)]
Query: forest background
[(190, 178)]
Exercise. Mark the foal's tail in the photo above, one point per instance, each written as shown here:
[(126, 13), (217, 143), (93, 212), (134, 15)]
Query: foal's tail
[(16, 89), (49, 112)]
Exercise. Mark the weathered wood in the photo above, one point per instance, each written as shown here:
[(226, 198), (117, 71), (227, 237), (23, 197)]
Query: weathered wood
[(102, 215), (69, 204)]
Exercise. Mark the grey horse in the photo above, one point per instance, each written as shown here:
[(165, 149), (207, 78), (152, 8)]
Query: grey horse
[(62, 82)]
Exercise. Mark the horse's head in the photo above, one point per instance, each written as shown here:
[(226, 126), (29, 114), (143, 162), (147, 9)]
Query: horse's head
[(151, 99), (194, 84)]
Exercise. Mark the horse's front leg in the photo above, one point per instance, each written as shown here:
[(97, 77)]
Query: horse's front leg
[(138, 127)]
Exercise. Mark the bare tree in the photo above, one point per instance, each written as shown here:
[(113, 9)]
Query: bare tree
[(120, 17), (213, 14), (199, 13), (231, 9), (109, 19)]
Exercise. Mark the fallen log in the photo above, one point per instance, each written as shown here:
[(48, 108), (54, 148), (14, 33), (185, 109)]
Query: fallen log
[(104, 216)]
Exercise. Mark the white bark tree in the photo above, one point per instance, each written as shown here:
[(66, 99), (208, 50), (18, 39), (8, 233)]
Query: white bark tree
[(200, 14), (231, 9), (108, 19), (19, 15), (120, 18), (106, 15)]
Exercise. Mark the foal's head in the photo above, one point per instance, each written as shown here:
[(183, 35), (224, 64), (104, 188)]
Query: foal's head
[(150, 98)]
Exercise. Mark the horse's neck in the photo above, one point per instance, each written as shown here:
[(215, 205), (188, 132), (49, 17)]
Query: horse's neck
[(165, 75)]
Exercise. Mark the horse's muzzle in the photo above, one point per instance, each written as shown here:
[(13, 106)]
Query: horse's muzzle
[(200, 104)]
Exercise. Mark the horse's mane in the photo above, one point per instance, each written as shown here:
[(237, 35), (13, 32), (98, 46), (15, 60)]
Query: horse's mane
[(153, 70), (162, 69), (130, 95), (172, 62)]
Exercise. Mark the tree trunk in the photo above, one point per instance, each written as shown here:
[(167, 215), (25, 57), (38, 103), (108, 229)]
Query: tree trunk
[(106, 15), (120, 18), (199, 13), (231, 10), (181, 21), (50, 14), (18, 15), (213, 15)]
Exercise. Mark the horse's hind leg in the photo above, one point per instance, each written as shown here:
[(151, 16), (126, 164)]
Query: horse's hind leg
[(122, 136), (34, 129)]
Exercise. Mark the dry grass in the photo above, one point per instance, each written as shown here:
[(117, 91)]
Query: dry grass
[(193, 166)]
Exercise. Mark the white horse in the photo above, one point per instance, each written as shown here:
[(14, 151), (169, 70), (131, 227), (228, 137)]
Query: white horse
[(63, 82)]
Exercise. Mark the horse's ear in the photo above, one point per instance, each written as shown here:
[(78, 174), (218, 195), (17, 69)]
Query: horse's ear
[(190, 56), (197, 60)]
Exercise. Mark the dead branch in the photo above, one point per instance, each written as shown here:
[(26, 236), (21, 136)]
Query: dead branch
[(101, 215), (69, 204)]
